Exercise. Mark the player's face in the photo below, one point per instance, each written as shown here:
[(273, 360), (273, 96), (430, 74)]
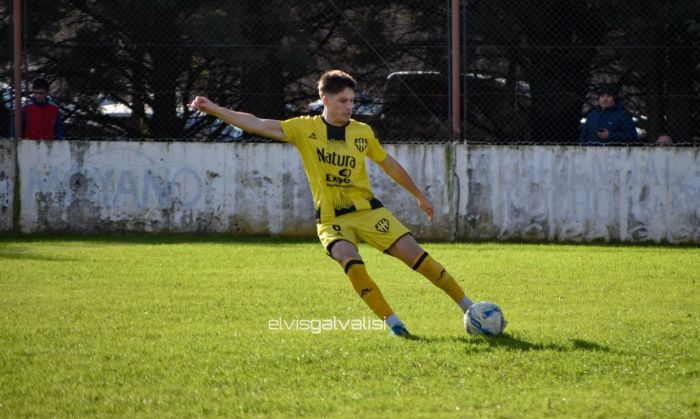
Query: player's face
[(338, 107)]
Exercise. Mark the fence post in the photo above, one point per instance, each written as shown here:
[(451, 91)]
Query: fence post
[(17, 63), (454, 71)]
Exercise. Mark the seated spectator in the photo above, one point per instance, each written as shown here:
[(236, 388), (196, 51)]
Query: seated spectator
[(609, 122), (664, 140)]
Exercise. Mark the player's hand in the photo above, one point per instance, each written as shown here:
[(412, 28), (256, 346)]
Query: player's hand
[(427, 207), (202, 104)]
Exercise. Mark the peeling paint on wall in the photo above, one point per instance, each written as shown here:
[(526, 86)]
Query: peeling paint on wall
[(526, 193), (7, 184), (580, 194)]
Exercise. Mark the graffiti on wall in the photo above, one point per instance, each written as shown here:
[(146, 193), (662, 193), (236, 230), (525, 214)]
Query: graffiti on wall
[(615, 194)]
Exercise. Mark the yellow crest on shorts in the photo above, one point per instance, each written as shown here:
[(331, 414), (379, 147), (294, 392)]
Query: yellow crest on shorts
[(382, 226)]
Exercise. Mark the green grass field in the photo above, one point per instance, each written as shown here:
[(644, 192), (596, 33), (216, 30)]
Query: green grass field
[(180, 327)]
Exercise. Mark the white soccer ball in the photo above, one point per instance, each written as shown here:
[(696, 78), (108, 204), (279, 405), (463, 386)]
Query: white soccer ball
[(484, 319)]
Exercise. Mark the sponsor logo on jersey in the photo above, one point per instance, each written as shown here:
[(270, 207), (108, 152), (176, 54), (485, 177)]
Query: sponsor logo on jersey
[(340, 160), (342, 178), (338, 180), (382, 226), (361, 143), (312, 136)]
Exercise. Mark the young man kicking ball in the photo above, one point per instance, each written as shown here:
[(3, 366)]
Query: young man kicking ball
[(333, 148)]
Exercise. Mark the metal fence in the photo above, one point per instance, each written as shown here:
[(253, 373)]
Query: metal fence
[(529, 70)]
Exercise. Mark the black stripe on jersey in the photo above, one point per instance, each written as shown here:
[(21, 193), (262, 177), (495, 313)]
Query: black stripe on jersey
[(374, 203), (334, 133)]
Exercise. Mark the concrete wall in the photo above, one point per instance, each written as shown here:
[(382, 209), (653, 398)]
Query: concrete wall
[(480, 192), (96, 186), (432, 167), (7, 184), (579, 194)]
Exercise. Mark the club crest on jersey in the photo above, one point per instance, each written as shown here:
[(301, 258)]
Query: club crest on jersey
[(361, 143), (382, 226)]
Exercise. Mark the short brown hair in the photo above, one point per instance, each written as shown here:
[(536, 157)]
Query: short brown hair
[(335, 81), (40, 83)]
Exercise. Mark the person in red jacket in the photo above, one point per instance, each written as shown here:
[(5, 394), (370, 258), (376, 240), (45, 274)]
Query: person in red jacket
[(41, 118)]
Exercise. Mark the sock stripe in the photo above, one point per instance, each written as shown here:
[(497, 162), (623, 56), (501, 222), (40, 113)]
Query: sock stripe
[(420, 260), (352, 262)]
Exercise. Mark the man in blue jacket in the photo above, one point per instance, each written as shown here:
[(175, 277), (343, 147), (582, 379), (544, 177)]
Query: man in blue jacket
[(609, 122)]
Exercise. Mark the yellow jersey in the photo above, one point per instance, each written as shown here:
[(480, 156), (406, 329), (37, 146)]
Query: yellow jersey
[(334, 161)]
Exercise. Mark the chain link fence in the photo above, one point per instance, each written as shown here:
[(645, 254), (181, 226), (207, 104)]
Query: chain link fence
[(530, 70)]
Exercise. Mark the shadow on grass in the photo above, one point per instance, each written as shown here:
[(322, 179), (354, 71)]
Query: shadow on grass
[(512, 343), (26, 254), (149, 239), (218, 237)]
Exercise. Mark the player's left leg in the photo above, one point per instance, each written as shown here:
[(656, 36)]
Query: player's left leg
[(412, 254)]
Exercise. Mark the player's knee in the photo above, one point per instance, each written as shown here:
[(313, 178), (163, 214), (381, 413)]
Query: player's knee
[(422, 262), (342, 251), (347, 264), (406, 249), (429, 267)]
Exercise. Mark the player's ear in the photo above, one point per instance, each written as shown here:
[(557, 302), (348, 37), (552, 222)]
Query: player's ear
[(325, 100)]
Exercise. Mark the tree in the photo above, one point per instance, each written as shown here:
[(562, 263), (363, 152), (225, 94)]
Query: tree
[(655, 52), (151, 57), (564, 49), (549, 45)]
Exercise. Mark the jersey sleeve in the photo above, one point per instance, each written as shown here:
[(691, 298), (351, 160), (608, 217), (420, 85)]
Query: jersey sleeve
[(375, 151), (292, 129)]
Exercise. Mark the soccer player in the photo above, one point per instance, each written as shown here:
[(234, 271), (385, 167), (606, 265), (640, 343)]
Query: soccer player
[(333, 148)]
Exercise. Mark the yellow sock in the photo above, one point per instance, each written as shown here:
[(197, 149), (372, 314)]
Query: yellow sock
[(367, 289), (429, 268)]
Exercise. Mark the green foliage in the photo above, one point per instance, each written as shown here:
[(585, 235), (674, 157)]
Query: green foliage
[(179, 326), (154, 56), (264, 56)]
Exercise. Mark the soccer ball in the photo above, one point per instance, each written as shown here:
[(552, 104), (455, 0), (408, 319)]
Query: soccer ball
[(484, 319)]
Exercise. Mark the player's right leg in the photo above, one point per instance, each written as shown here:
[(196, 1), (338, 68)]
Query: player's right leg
[(412, 254), (340, 245)]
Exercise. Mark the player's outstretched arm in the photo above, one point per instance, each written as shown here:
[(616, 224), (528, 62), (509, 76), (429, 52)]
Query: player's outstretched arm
[(397, 172), (270, 128)]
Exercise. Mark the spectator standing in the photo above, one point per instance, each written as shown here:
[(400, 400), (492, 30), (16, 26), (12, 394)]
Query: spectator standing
[(41, 118), (609, 122)]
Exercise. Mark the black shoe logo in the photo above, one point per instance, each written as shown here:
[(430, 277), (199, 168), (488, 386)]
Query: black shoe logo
[(365, 291)]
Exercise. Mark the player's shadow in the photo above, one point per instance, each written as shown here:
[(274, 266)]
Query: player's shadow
[(512, 343)]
